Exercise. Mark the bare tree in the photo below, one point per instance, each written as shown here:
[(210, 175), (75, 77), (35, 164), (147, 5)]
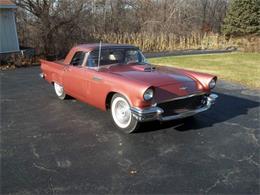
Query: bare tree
[(49, 16), (57, 24)]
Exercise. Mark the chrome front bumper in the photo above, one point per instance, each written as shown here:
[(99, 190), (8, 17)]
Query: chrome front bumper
[(155, 113)]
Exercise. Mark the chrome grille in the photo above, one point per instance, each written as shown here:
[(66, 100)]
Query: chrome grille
[(182, 105)]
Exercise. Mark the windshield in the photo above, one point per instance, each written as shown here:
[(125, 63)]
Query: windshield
[(115, 56)]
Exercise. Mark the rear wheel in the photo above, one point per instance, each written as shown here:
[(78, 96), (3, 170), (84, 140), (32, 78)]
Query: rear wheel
[(59, 91), (121, 114)]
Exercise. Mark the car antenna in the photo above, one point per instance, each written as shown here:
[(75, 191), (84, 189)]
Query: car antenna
[(99, 54)]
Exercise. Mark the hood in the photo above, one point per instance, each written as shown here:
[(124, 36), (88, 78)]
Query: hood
[(153, 76)]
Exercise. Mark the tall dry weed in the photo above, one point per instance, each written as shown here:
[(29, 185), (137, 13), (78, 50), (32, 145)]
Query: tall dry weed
[(157, 42)]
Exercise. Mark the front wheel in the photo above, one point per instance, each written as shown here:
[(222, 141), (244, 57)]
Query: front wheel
[(121, 114), (59, 91)]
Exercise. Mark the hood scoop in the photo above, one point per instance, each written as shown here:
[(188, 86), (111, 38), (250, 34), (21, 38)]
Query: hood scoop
[(146, 68)]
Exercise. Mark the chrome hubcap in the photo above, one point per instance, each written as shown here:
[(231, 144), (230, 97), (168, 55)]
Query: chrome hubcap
[(121, 112)]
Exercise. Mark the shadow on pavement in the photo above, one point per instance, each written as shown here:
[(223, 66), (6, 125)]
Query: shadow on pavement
[(226, 107)]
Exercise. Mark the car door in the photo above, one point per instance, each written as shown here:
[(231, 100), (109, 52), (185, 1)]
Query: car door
[(75, 77), (97, 87)]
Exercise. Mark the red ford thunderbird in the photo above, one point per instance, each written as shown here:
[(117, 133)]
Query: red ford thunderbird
[(118, 78)]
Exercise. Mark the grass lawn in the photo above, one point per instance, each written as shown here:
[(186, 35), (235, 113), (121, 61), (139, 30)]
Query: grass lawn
[(243, 68)]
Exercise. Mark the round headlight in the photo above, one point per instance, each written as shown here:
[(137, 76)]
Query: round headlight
[(212, 83), (148, 94)]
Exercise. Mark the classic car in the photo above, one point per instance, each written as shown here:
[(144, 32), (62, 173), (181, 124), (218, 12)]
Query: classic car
[(118, 78)]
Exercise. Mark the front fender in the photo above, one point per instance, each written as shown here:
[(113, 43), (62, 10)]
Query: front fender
[(203, 78), (132, 90)]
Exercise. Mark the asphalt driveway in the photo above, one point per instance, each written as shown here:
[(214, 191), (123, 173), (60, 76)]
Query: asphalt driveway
[(67, 147)]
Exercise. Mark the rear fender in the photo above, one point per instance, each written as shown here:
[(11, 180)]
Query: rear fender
[(53, 71)]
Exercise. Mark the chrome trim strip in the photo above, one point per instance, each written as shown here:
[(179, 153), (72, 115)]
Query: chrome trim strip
[(95, 78), (183, 97)]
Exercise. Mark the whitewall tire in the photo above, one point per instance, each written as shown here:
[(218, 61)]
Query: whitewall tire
[(121, 114), (59, 91)]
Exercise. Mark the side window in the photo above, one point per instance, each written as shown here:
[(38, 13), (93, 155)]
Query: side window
[(108, 56), (78, 58), (132, 56), (91, 61)]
